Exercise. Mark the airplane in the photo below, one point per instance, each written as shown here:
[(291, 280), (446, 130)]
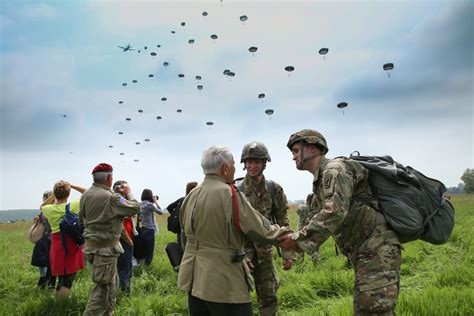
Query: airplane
[(126, 48)]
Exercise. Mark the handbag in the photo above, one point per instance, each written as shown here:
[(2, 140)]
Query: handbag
[(36, 230), (175, 254)]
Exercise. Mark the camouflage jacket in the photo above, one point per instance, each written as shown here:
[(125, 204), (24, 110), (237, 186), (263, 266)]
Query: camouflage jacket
[(347, 208), (273, 206)]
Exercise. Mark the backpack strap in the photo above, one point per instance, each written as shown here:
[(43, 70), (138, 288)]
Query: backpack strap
[(236, 206), (63, 238), (270, 185)]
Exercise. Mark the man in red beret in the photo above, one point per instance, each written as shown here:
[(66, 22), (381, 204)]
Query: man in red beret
[(101, 213)]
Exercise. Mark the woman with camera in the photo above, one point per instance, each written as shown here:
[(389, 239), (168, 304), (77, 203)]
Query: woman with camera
[(148, 207)]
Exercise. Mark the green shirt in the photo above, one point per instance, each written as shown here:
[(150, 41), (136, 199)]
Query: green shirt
[(54, 213)]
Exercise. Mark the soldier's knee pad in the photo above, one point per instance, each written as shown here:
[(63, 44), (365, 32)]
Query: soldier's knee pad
[(377, 301)]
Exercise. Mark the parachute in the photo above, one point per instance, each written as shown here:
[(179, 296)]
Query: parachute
[(120, 102), (140, 111), (289, 69), (388, 67), (261, 96), (134, 81), (153, 54), (323, 51), (204, 14), (342, 106), (214, 37), (269, 112), (158, 117), (163, 99), (191, 41), (199, 87), (179, 110), (124, 84), (166, 64), (120, 133), (111, 146), (243, 18), (181, 75), (128, 119), (198, 77), (150, 76)]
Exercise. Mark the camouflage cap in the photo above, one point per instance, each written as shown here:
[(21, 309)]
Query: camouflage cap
[(309, 136), (255, 150)]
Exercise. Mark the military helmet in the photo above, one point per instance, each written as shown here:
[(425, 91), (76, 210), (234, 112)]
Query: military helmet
[(309, 136), (255, 150)]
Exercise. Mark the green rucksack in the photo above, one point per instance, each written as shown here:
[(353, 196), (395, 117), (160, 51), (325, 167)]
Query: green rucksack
[(412, 203)]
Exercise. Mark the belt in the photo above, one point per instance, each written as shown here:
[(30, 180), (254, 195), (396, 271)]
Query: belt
[(100, 244)]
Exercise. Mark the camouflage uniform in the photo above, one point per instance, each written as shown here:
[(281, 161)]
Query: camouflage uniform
[(348, 213), (101, 213), (264, 273), (305, 214)]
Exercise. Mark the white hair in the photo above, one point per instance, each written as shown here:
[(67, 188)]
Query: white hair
[(101, 176), (214, 158)]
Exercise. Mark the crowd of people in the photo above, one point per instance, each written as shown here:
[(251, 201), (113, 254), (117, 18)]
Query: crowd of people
[(227, 229)]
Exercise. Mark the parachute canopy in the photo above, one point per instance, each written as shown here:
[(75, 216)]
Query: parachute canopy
[(150, 75), (204, 13), (134, 81), (209, 123), (179, 110), (388, 66), (342, 105), (269, 111), (198, 77), (323, 51), (289, 68), (214, 36), (199, 87), (153, 54), (181, 75), (124, 84), (191, 41), (163, 99), (158, 117), (166, 64), (140, 111), (120, 133), (243, 18), (128, 119), (253, 49), (261, 95), (120, 102)]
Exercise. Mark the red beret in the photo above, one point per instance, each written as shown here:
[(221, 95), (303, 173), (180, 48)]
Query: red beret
[(102, 167)]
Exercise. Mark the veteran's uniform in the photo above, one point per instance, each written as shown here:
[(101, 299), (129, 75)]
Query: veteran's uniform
[(268, 198), (348, 213), (213, 268), (101, 213)]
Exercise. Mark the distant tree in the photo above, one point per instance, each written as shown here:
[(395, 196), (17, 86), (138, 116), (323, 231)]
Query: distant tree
[(456, 190), (468, 178)]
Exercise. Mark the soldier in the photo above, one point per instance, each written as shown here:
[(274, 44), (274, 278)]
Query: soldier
[(348, 212), (305, 214), (216, 220), (101, 213), (268, 198)]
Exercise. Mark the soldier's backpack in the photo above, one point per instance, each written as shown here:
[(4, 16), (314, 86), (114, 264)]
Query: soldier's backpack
[(412, 203), (69, 226)]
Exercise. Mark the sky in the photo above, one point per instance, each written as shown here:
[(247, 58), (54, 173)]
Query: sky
[(61, 75)]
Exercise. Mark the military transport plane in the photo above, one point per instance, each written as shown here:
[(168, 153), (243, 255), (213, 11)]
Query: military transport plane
[(126, 48)]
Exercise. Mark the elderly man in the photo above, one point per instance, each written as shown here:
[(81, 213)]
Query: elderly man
[(216, 220), (101, 213), (347, 211)]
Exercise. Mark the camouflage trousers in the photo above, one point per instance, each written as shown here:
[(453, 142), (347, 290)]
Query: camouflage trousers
[(103, 295), (266, 285), (377, 274)]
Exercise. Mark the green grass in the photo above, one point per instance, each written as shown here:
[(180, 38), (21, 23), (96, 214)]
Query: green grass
[(436, 280)]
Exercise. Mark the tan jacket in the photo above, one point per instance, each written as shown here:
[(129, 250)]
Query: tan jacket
[(101, 213), (208, 220)]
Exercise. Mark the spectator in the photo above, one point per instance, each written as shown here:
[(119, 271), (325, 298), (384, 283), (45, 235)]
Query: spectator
[(64, 262), (124, 261), (148, 207), (41, 250), (173, 209)]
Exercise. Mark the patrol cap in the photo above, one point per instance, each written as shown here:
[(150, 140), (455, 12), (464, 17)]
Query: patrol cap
[(255, 150), (102, 167), (310, 136)]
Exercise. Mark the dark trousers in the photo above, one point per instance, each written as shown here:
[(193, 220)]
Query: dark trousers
[(149, 238), (124, 267), (198, 307)]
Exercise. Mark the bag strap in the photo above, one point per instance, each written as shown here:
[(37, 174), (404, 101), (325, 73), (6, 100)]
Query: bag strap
[(68, 208), (236, 207)]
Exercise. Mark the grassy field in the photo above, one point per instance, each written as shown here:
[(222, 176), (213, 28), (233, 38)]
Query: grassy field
[(436, 280)]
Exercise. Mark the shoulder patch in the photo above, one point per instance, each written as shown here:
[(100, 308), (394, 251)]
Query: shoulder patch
[(123, 201), (328, 181)]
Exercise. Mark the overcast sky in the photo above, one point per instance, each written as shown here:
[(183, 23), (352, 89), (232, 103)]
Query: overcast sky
[(61, 58)]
